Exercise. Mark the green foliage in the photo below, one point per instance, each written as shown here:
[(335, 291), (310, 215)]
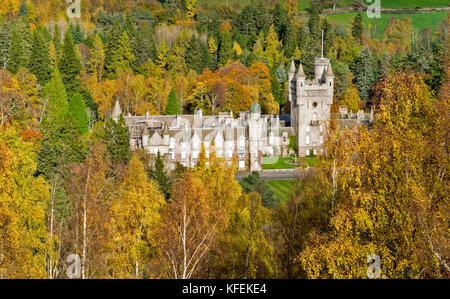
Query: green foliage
[(70, 66), (225, 49), (254, 183), (117, 140), (364, 77), (121, 57), (160, 176), (39, 62), (357, 27), (173, 104), (16, 54), (77, 108), (54, 94)]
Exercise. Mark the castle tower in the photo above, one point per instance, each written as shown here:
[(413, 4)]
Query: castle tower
[(311, 105), (254, 136)]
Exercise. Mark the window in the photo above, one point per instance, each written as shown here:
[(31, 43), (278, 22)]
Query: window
[(241, 164), (307, 139), (321, 139), (307, 152), (241, 142), (207, 154), (183, 155), (307, 128)]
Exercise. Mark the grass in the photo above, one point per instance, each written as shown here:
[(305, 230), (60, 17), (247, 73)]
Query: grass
[(283, 163), (274, 163), (282, 189), (304, 4), (420, 21)]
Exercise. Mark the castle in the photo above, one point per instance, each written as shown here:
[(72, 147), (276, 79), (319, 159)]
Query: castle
[(250, 136)]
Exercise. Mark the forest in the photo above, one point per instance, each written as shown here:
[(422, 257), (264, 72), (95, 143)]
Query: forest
[(71, 187)]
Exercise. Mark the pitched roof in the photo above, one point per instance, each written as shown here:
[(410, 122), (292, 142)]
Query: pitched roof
[(329, 72), (117, 111), (300, 72), (292, 67)]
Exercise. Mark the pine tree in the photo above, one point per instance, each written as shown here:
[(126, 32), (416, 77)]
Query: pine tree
[(77, 108), (173, 105), (77, 33), (160, 176), (117, 140), (16, 54), (55, 96), (193, 55), (5, 42), (121, 57), (39, 62), (363, 73), (70, 66), (357, 27), (112, 42), (225, 49), (57, 39)]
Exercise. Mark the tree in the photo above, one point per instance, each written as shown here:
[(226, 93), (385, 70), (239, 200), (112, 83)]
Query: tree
[(160, 176), (173, 105), (364, 73), (357, 27), (254, 183), (97, 59), (89, 189), (24, 198), (77, 108), (117, 140), (55, 97), (17, 52), (70, 66), (39, 62), (188, 226), (121, 57), (351, 99), (135, 216), (225, 49)]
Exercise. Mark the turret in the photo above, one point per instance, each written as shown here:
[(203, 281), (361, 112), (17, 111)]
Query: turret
[(291, 72), (117, 111), (301, 77), (329, 76), (320, 65)]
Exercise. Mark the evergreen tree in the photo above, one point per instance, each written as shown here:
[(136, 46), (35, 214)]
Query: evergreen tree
[(77, 108), (254, 183), (55, 96), (16, 54), (160, 176), (363, 73), (146, 47), (194, 55), (70, 66), (5, 43), (357, 27), (57, 39), (225, 49), (121, 57), (97, 59), (117, 140), (173, 105), (314, 25), (277, 90), (39, 63), (112, 42), (77, 33)]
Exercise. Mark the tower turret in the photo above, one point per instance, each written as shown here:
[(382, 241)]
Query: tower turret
[(117, 111)]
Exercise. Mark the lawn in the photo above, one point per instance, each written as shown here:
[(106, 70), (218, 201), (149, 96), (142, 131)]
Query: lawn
[(283, 163), (281, 189), (304, 4), (277, 163), (419, 21)]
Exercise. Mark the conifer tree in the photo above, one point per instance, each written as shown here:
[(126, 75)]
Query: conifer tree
[(97, 59), (160, 176), (70, 66), (112, 41), (357, 27), (77, 109), (225, 49), (5, 42), (363, 73), (39, 62), (117, 140), (121, 57), (16, 54), (173, 105), (55, 96)]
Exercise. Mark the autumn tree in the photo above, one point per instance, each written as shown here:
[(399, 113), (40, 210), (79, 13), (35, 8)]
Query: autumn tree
[(135, 216), (24, 198)]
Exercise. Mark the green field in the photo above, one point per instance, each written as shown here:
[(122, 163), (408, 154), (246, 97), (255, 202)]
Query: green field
[(413, 3), (283, 163), (304, 4), (419, 21), (281, 189)]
